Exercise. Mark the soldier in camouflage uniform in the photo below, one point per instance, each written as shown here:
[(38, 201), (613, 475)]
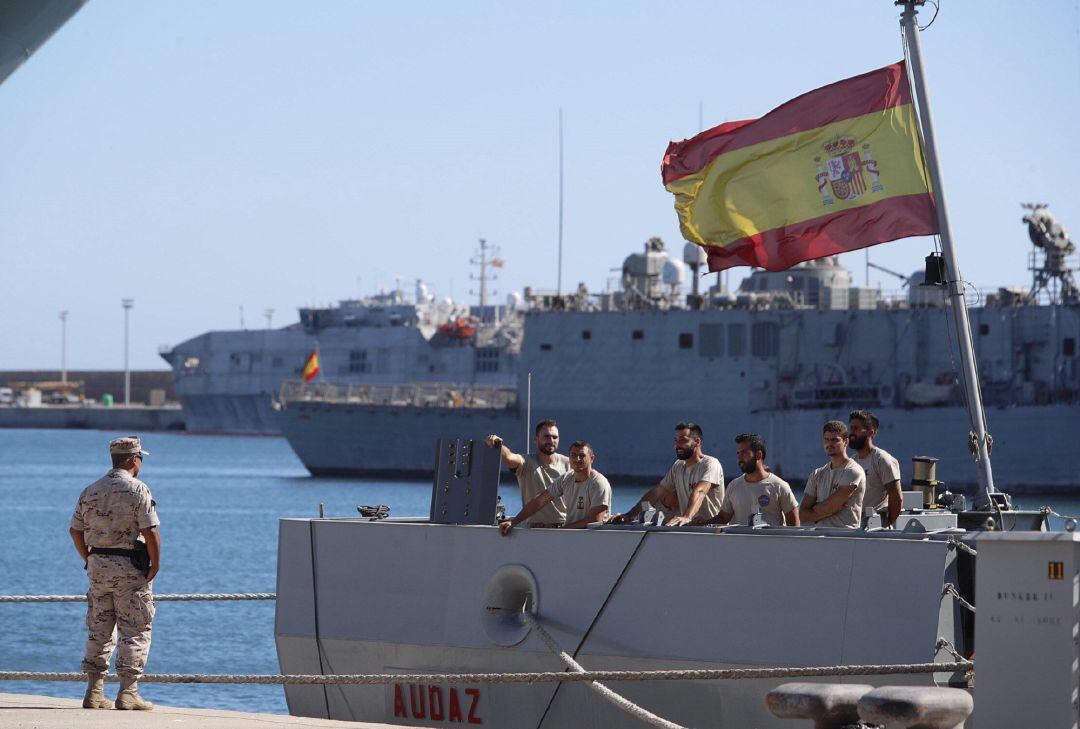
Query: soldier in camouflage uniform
[(109, 517)]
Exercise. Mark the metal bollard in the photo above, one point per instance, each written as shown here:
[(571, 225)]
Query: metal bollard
[(916, 707), (829, 705)]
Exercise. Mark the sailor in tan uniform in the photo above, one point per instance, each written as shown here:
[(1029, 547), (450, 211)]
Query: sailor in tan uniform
[(883, 488), (536, 472), (757, 491), (109, 517), (834, 493), (585, 491), (693, 488)]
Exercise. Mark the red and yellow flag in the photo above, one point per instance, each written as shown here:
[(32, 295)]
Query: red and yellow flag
[(311, 367), (834, 170)]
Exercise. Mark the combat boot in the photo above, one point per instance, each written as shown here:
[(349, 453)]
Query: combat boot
[(128, 699), (95, 692)]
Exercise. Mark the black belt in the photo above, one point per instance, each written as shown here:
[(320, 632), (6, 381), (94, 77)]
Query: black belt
[(113, 551)]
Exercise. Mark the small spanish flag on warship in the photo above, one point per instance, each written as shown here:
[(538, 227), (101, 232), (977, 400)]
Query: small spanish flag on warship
[(837, 169), (311, 367)]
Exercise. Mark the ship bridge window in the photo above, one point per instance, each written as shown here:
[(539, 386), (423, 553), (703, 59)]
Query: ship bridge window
[(686, 340), (765, 339), (358, 361), (1068, 347), (586, 334), (736, 340), (486, 359), (711, 340), (240, 362), (545, 347), (637, 334)]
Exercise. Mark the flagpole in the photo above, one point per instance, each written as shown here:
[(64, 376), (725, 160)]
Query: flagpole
[(954, 282)]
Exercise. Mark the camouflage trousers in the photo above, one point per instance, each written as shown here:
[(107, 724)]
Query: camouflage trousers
[(119, 601)]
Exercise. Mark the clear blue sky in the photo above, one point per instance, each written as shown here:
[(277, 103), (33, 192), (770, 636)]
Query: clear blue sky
[(200, 156)]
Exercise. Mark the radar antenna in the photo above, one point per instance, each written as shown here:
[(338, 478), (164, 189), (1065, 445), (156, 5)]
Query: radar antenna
[(1054, 272)]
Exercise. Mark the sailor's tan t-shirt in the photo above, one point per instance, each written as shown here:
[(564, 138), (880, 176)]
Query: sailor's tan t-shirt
[(823, 483), (683, 479), (534, 478), (579, 497), (881, 469), (772, 495)]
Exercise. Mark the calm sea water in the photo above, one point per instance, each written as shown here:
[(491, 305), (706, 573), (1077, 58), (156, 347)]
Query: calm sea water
[(219, 499)]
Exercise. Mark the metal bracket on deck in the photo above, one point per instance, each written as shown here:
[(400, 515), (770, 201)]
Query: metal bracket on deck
[(466, 482)]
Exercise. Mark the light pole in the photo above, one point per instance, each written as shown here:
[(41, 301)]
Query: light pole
[(63, 346), (127, 304)]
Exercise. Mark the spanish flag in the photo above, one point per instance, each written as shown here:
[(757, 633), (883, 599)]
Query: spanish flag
[(311, 367), (834, 170)]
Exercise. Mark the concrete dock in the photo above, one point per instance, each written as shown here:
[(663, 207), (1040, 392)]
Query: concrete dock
[(25, 711), (94, 417)]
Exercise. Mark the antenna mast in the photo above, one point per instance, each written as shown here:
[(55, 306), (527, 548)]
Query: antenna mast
[(558, 287), (485, 257)]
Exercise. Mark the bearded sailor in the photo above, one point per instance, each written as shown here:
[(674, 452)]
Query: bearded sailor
[(536, 472)]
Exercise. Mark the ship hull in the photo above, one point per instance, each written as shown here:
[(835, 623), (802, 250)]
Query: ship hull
[(233, 414), (633, 600), (340, 439), (352, 440)]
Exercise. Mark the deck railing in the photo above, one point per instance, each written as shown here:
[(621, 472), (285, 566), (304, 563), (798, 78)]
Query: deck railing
[(444, 395)]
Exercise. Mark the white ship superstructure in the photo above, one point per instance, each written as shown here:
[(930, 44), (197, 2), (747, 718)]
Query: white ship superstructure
[(227, 380)]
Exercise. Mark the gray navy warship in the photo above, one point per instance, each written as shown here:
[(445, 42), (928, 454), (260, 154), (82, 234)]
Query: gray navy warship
[(785, 352), (227, 381)]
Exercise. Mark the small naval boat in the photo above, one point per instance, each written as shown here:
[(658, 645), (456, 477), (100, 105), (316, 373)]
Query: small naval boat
[(451, 596)]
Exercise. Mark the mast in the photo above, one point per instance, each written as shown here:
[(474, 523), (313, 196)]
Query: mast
[(954, 283), (484, 258), (558, 286)]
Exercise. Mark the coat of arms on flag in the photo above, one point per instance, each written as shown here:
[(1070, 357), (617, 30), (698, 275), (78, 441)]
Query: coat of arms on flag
[(844, 171)]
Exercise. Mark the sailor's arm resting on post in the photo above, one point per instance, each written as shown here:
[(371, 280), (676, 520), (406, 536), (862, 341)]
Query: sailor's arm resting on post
[(512, 460), (538, 502), (659, 495), (697, 498)]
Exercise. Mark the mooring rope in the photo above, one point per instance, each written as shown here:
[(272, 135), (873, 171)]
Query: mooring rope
[(946, 645), (619, 700), (179, 597), (950, 589), (381, 679), (957, 544)]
